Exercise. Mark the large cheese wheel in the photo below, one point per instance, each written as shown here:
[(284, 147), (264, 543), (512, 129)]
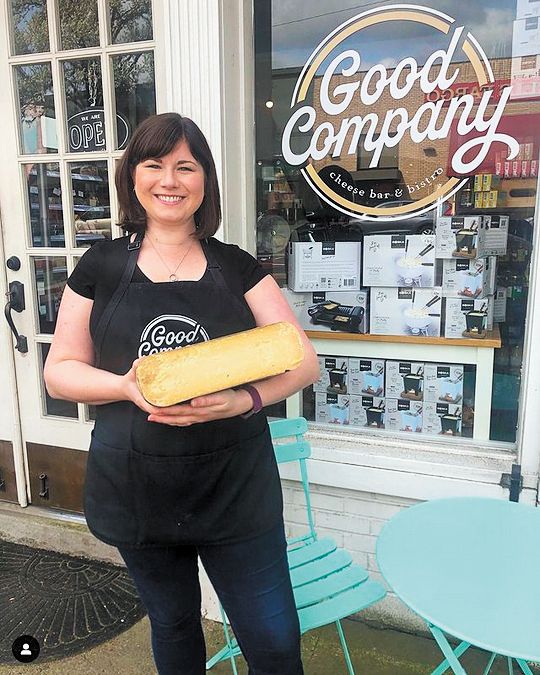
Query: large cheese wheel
[(181, 374)]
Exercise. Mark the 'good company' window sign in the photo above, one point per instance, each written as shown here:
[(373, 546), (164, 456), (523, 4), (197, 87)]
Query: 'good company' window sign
[(382, 127)]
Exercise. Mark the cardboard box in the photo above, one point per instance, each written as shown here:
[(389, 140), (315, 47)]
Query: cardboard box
[(334, 375), (344, 311), (490, 182), (403, 415), (479, 321), (499, 305), (527, 8), (526, 36), (405, 379), (443, 382), (366, 377), (324, 266), (399, 260), (405, 311), (332, 408), (367, 411), (442, 419), (450, 243), (463, 278), (478, 200), (478, 182), (493, 236)]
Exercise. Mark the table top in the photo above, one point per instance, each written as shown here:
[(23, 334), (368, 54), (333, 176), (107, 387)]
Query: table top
[(471, 567)]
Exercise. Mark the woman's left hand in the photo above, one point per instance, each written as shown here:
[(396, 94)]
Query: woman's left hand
[(222, 404)]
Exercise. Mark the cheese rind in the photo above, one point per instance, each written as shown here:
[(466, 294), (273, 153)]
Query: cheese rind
[(181, 374)]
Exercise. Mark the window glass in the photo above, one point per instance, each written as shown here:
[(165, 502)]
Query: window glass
[(44, 204), (50, 276), (91, 202), (79, 26), (37, 124), (397, 157), (84, 104), (130, 20), (54, 406), (134, 92), (30, 31)]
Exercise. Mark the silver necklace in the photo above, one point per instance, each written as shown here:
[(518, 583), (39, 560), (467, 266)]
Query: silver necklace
[(172, 275)]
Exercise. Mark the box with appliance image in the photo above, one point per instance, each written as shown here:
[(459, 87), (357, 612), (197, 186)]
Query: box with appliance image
[(399, 260), (456, 236), (465, 278), (344, 311), (466, 318), (493, 235), (443, 382), (366, 376), (334, 375), (405, 379), (442, 418), (332, 408), (403, 415), (405, 311), (499, 304), (367, 411), (324, 266)]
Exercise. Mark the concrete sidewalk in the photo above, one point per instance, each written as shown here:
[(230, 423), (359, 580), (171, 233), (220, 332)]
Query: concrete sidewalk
[(373, 652)]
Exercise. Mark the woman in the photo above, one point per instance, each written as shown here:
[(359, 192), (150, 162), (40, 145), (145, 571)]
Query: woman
[(166, 485)]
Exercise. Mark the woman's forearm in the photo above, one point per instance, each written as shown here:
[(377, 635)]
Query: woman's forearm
[(280, 387), (83, 383)]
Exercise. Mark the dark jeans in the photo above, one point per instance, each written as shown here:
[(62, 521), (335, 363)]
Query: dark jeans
[(252, 581)]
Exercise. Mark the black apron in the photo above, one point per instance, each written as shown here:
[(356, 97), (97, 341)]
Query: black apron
[(150, 484)]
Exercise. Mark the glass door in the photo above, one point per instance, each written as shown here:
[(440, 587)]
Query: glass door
[(75, 80)]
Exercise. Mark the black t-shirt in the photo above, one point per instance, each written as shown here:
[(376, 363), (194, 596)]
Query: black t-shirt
[(99, 271)]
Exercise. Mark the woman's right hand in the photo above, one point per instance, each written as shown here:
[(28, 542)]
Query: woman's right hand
[(131, 390)]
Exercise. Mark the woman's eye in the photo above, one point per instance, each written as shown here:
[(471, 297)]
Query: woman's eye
[(185, 168)]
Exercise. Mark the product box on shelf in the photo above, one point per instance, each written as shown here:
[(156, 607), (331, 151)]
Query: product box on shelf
[(324, 266), (366, 376), (442, 418), (332, 408), (443, 382), (456, 236), (405, 379), (403, 415), (367, 411), (334, 375), (344, 311), (493, 236), (399, 260), (467, 318), (469, 278), (405, 311), (499, 305)]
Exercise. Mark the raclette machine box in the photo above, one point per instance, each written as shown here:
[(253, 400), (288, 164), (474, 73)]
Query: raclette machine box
[(324, 266), (343, 311)]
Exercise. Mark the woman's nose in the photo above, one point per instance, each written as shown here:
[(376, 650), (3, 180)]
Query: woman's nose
[(169, 178)]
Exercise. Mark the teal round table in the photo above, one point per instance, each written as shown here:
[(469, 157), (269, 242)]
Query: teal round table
[(470, 567)]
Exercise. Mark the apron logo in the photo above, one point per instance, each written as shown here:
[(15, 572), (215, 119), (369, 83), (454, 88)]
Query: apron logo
[(341, 109), (170, 331)]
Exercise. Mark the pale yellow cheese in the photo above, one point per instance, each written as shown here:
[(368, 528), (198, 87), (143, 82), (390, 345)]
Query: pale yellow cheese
[(181, 374)]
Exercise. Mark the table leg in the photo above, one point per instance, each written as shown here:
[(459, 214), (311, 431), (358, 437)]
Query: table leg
[(524, 667), (446, 649)]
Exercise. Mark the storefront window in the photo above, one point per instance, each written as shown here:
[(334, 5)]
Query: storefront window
[(397, 168)]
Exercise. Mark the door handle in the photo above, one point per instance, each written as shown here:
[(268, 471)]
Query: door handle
[(16, 303)]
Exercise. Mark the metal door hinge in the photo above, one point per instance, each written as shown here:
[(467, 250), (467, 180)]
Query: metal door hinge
[(513, 481)]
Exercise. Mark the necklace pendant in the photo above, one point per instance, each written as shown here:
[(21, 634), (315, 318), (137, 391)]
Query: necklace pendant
[(173, 277)]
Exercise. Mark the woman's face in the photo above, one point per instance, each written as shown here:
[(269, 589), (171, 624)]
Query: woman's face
[(170, 188)]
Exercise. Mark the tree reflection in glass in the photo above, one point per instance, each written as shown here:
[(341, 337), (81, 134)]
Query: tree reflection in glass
[(130, 20), (79, 24), (29, 26)]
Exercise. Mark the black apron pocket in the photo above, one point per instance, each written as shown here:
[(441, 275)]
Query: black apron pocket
[(108, 493), (223, 495)]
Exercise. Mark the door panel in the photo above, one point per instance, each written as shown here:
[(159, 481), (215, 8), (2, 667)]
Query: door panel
[(67, 115)]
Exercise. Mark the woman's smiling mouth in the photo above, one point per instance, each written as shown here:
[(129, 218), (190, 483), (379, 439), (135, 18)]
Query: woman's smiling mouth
[(169, 199)]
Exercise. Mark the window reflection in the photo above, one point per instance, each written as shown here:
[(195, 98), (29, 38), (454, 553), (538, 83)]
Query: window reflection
[(44, 204), (50, 276), (134, 91), (29, 25), (36, 104), (130, 20), (91, 202), (53, 406), (79, 26)]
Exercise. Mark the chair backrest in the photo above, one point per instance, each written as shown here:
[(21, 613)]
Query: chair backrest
[(291, 446)]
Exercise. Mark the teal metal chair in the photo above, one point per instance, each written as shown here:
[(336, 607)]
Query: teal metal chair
[(327, 585)]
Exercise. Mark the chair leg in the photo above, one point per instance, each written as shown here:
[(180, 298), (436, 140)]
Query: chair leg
[(510, 666), (524, 667), (488, 667), (344, 647), (228, 640)]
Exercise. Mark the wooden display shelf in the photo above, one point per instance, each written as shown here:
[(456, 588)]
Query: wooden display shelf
[(491, 341)]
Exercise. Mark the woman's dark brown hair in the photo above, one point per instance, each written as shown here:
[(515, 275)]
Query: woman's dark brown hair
[(154, 138)]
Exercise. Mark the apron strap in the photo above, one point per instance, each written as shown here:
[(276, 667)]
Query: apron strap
[(133, 248)]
